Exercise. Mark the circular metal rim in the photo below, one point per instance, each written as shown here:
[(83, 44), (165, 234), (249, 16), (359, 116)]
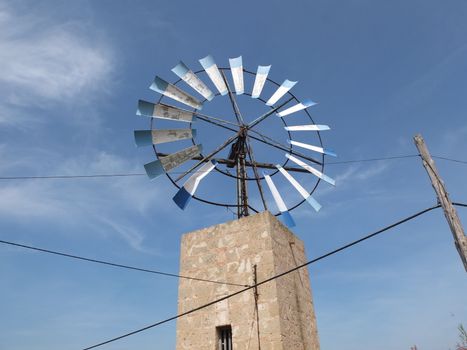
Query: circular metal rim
[(228, 205)]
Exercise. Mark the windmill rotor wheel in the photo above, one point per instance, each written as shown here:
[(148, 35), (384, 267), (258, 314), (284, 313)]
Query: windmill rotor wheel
[(234, 158)]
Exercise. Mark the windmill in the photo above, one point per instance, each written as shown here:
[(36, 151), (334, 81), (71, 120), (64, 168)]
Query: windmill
[(234, 156)]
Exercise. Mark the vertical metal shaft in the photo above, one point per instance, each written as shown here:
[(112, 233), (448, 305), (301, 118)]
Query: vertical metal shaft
[(255, 281), (242, 193), (239, 186), (242, 197), (249, 150)]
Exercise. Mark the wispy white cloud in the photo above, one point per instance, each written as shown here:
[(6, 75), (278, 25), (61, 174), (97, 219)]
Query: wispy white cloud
[(115, 207), (46, 62), (354, 174), (134, 237), (355, 178), (371, 172)]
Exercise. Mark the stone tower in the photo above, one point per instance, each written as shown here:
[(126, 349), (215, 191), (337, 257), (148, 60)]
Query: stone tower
[(283, 316)]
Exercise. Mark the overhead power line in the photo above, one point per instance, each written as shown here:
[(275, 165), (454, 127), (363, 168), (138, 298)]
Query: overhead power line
[(39, 177), (371, 235), (90, 176), (450, 159), (372, 159), (42, 250)]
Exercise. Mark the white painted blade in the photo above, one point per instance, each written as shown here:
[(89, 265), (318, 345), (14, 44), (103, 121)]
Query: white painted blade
[(281, 91), (176, 159), (161, 86), (187, 75), (310, 127), (316, 206), (298, 107), (156, 168), (260, 80), (279, 201), (155, 137), (184, 194), (192, 183), (163, 111), (275, 193), (312, 170), (236, 68), (214, 74), (171, 135), (313, 148)]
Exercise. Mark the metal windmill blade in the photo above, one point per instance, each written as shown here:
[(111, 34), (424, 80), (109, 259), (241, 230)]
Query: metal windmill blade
[(164, 111), (236, 67), (169, 90), (155, 137), (304, 193), (298, 107), (281, 91), (288, 220), (260, 80), (312, 170), (171, 161), (214, 74), (187, 75), (309, 127), (313, 148), (187, 191)]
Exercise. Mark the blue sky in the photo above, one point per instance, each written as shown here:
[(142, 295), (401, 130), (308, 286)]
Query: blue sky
[(381, 72)]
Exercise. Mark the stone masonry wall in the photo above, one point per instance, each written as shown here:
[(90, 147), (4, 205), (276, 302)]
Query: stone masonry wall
[(227, 252)]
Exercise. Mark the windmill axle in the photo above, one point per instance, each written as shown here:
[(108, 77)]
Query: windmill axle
[(231, 163)]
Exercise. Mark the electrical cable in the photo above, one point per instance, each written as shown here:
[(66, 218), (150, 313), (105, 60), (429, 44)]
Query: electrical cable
[(117, 265), (268, 279), (450, 159), (175, 172), (372, 159), (67, 176), (39, 177)]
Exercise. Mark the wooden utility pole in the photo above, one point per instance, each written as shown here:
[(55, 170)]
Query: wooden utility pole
[(460, 240)]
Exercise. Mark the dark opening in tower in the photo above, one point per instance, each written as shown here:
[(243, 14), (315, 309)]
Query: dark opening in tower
[(224, 336)]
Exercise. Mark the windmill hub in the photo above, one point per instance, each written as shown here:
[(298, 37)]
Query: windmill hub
[(237, 149)]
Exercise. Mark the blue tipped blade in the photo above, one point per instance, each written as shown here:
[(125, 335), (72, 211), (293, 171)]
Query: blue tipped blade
[(311, 201), (181, 198), (330, 152), (287, 219), (143, 138), (207, 61), (235, 62), (309, 103), (145, 108), (154, 169), (180, 69), (263, 69), (159, 85), (289, 83), (329, 180)]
